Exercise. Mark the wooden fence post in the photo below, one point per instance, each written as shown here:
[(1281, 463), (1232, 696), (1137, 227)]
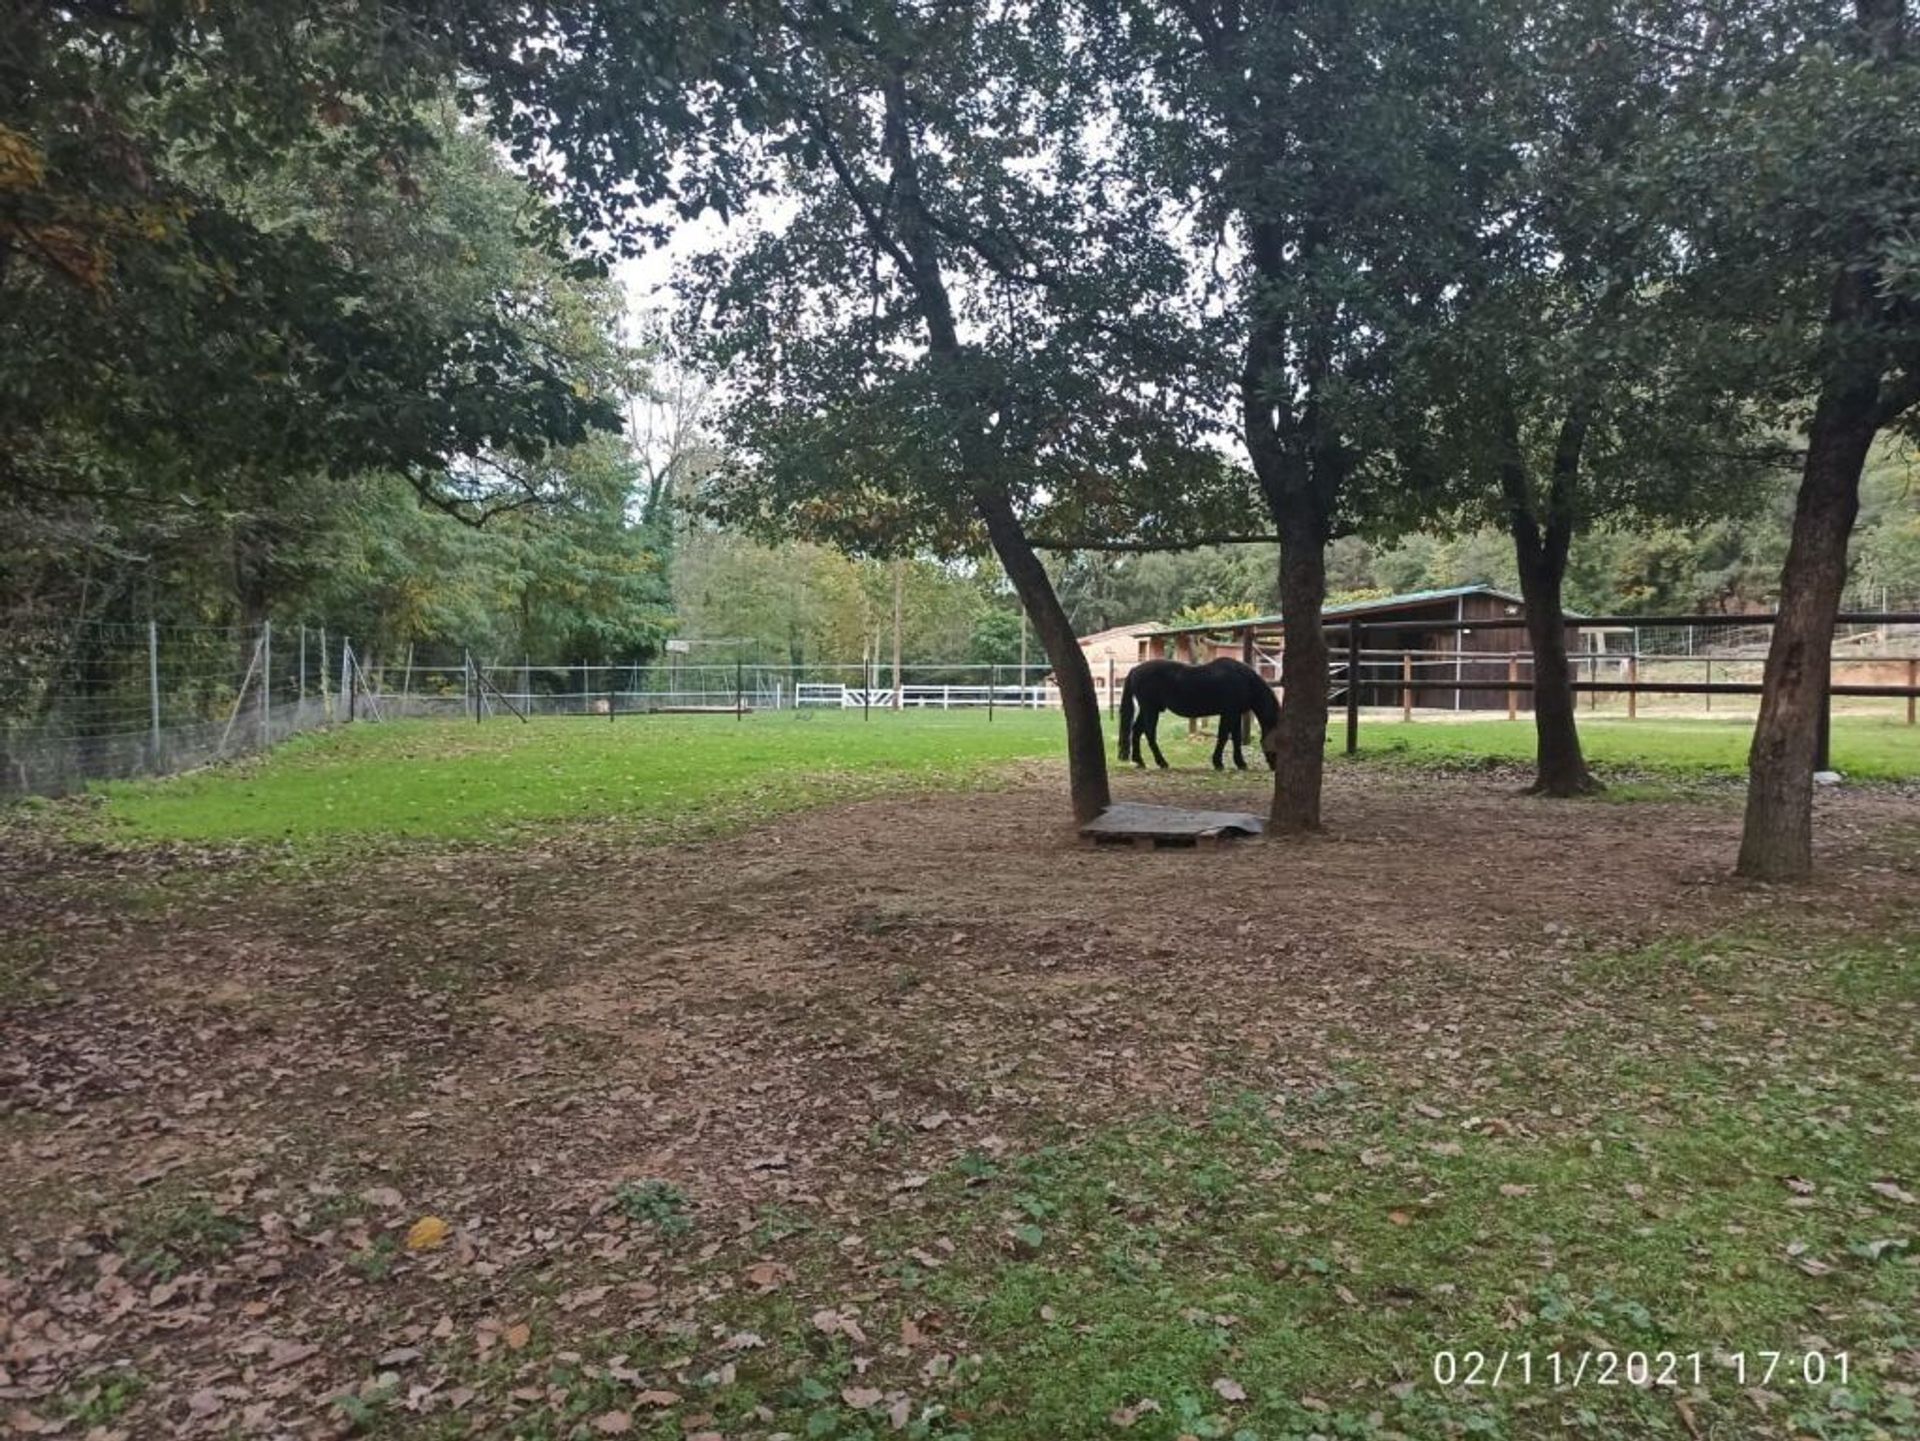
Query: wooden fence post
[(1913, 683), (1406, 686), (1633, 684), (1513, 681), (1823, 746)]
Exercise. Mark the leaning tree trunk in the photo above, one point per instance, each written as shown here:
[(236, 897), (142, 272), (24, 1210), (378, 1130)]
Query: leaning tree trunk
[(1299, 762), (1776, 841), (919, 252), (1079, 702)]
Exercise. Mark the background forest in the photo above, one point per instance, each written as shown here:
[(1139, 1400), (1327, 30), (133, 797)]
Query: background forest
[(358, 377)]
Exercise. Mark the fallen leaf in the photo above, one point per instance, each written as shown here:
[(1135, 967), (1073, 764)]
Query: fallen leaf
[(283, 1354), (658, 1398), (1125, 1416), (1510, 1188), (426, 1233), (833, 1323), (862, 1398), (613, 1423), (517, 1335), (769, 1275), (1894, 1191), (1228, 1389)]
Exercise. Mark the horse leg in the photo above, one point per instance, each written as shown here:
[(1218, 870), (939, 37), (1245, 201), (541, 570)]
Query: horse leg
[(1153, 739), (1133, 738), (1220, 740), (1240, 723)]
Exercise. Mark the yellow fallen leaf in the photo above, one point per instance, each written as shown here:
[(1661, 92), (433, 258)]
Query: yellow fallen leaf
[(517, 1336), (426, 1233)]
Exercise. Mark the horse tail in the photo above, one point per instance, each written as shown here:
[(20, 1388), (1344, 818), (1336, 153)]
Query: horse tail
[(1126, 714)]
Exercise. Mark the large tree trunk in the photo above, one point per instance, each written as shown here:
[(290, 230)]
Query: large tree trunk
[(1540, 552), (1299, 762), (1079, 702), (1560, 768), (1776, 841)]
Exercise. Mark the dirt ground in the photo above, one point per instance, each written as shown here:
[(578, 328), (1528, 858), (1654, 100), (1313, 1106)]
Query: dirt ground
[(303, 1061)]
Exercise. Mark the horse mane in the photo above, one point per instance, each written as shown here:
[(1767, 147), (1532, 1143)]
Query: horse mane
[(1266, 708)]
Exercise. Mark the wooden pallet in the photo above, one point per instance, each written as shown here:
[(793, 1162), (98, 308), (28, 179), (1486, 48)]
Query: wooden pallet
[(1157, 828)]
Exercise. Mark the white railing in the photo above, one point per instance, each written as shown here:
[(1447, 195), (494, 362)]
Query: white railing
[(925, 697)]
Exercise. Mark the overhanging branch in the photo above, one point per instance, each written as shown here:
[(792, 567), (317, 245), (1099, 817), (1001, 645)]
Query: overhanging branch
[(1147, 547)]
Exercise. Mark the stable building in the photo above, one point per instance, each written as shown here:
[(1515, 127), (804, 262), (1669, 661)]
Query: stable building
[(1415, 648)]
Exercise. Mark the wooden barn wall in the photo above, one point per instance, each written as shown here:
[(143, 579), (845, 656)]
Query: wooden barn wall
[(1488, 642), (1483, 651)]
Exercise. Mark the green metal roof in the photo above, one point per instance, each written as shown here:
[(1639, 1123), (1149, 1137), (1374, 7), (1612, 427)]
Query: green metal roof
[(1352, 607)]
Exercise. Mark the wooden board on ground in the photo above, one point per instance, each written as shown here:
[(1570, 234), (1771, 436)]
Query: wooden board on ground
[(1167, 827)]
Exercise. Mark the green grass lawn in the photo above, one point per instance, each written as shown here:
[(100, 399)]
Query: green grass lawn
[(1864, 747), (693, 775), (446, 781)]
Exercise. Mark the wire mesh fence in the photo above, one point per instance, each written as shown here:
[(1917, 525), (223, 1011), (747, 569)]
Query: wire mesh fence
[(105, 701), (615, 690), (108, 701), (112, 701)]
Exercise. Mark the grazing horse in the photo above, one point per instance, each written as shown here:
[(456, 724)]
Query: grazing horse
[(1225, 688)]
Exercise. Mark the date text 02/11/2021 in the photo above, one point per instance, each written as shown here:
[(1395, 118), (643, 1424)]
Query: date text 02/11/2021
[(1639, 1368)]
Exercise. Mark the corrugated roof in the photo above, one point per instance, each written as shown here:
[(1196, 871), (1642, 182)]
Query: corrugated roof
[(1353, 607)]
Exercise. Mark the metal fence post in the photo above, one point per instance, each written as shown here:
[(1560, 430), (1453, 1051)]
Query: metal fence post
[(266, 684), (300, 681), (1353, 687), (739, 693), (1913, 683), (152, 693), (993, 684)]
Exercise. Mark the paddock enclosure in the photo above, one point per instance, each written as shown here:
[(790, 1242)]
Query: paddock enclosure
[(886, 1098)]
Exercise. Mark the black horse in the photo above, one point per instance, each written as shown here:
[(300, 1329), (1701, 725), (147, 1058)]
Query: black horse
[(1225, 688)]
